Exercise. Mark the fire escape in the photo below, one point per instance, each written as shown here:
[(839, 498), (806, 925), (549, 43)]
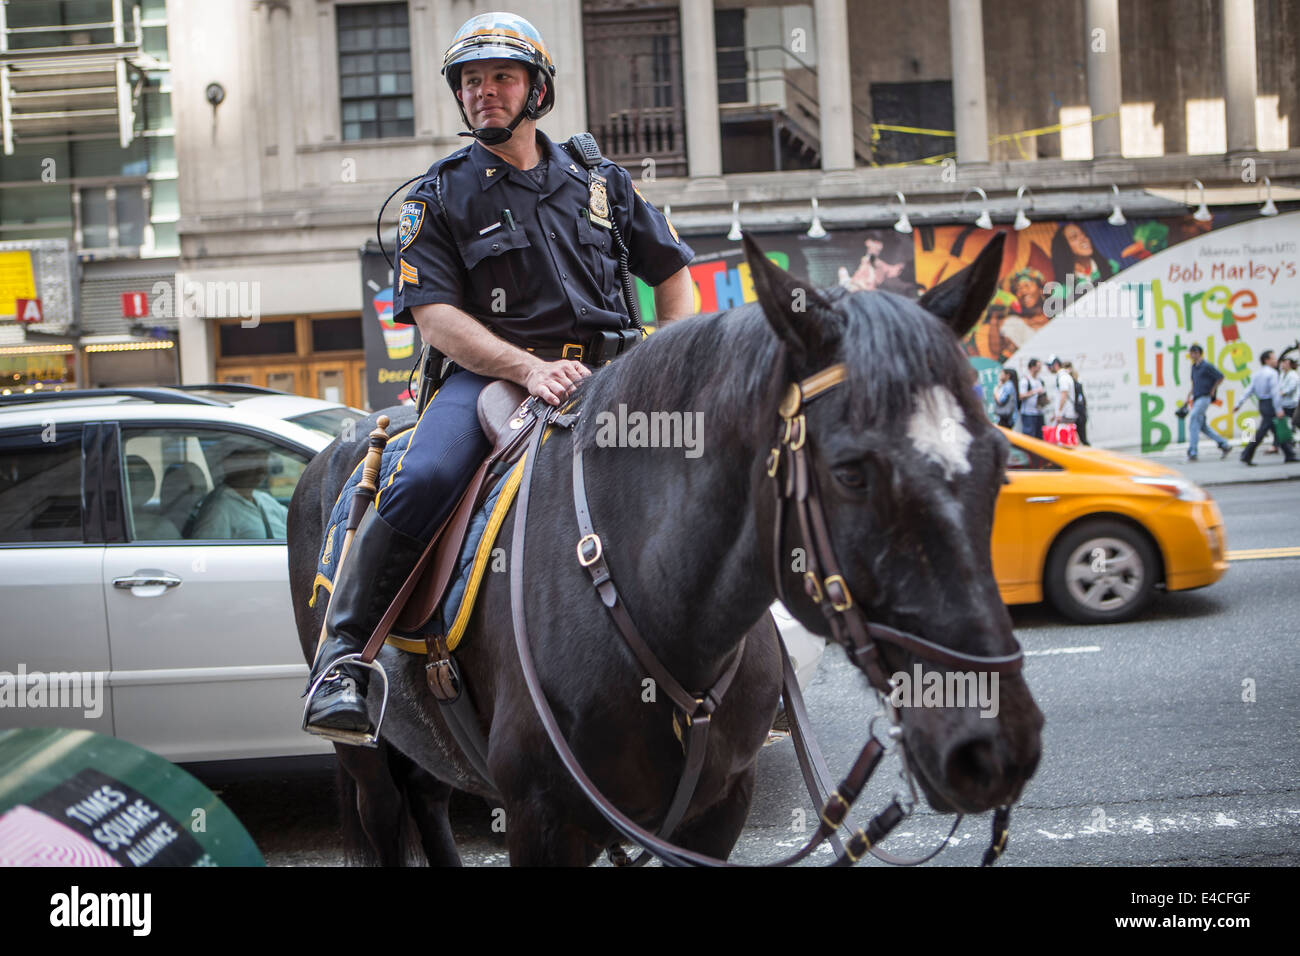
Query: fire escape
[(61, 80), (770, 113)]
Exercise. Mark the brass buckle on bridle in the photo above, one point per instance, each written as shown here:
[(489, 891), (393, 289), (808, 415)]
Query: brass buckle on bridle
[(798, 427), (847, 601), (585, 540), (774, 461)]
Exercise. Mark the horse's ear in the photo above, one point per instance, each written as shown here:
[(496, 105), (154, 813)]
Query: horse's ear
[(801, 318), (960, 300)]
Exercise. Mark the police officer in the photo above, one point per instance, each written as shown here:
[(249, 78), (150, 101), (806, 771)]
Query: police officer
[(507, 263)]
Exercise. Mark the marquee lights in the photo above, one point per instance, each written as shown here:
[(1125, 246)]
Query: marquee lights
[(131, 346)]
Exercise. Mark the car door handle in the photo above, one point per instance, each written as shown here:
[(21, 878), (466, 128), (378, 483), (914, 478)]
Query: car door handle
[(147, 579), (1042, 499)]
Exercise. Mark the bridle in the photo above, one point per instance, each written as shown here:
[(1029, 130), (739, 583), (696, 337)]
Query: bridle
[(848, 621), (788, 465)]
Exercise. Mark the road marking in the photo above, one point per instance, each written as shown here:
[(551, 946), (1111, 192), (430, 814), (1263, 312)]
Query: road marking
[(1089, 824), (1090, 649), (1259, 554)]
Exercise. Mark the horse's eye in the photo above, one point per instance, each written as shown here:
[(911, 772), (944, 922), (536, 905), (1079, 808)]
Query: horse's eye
[(850, 476)]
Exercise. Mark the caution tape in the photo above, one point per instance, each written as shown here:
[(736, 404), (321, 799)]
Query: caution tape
[(1017, 138)]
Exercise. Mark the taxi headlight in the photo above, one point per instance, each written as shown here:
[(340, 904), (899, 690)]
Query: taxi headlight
[(1180, 488)]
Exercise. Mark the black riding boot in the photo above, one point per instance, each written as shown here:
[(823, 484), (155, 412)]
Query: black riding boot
[(378, 562)]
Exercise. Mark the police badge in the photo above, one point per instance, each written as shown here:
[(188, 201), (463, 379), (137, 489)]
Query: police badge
[(598, 201), (409, 222)]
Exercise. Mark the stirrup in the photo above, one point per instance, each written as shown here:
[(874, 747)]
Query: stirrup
[(355, 738)]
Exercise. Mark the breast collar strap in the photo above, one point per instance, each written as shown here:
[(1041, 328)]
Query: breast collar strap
[(794, 481)]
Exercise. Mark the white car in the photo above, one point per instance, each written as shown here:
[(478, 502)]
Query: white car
[(130, 561), (127, 556)]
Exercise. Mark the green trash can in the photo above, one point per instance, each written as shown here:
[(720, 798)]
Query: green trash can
[(76, 798)]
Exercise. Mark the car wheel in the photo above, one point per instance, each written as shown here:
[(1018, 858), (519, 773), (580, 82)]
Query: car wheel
[(1101, 572)]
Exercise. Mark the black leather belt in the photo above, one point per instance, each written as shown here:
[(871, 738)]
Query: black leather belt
[(601, 349), (570, 350)]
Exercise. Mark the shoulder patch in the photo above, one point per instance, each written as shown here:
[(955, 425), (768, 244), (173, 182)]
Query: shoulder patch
[(409, 222)]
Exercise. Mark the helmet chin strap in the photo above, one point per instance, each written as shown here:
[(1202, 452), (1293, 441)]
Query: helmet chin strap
[(495, 135)]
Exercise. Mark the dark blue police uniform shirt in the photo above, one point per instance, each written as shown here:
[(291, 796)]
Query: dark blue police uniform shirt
[(551, 279)]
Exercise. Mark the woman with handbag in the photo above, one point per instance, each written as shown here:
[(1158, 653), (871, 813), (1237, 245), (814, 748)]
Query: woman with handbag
[(1288, 386)]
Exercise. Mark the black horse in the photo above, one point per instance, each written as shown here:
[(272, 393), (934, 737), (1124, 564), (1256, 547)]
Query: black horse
[(909, 468)]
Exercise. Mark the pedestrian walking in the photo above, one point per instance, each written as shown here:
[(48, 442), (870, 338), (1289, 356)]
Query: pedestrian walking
[(1006, 396), (1288, 385), (1063, 410), (1264, 386), (1205, 385), (1033, 395), (1080, 404)]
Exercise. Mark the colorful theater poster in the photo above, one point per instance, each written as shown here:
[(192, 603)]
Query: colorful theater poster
[(1234, 291)]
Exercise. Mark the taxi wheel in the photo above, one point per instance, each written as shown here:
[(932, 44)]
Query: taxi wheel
[(1101, 572)]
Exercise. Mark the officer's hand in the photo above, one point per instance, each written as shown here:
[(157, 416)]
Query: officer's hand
[(553, 382)]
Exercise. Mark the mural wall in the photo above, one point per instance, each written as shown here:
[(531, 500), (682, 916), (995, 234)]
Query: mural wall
[(1122, 302)]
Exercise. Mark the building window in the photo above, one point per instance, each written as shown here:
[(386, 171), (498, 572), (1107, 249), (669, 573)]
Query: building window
[(114, 218), (265, 338), (732, 66), (375, 71)]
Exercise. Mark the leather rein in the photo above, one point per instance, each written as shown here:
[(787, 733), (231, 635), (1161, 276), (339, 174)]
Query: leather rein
[(794, 482)]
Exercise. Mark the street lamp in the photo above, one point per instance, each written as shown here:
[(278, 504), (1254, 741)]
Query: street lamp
[(1022, 221), (1116, 217), (816, 230), (983, 220), (903, 225)]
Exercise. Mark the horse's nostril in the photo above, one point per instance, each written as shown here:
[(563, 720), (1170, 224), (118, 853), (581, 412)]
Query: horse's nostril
[(974, 764)]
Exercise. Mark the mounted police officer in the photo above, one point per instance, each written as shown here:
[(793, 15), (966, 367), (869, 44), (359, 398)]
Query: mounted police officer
[(507, 263)]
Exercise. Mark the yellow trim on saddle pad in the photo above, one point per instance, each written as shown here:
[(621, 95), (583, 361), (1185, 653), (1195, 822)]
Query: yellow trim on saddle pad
[(320, 582), (479, 566)]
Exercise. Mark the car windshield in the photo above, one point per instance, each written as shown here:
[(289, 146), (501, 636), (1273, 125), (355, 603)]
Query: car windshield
[(330, 422)]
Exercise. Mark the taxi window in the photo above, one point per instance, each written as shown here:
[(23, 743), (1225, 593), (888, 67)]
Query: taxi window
[(1020, 459)]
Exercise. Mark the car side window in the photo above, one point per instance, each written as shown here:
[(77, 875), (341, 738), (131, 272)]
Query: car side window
[(207, 484), (40, 486)]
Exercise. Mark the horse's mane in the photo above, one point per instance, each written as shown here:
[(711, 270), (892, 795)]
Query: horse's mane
[(726, 365)]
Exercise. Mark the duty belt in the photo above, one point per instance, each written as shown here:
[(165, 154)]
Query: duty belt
[(601, 349), (570, 350)]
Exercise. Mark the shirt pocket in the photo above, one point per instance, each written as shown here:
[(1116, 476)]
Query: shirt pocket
[(499, 261), (594, 243)]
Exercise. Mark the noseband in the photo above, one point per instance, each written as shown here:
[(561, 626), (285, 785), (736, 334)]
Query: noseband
[(823, 583)]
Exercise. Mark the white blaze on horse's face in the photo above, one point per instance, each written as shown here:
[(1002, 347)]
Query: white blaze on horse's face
[(937, 431)]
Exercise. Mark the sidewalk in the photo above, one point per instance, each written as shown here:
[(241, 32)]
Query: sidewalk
[(1210, 469)]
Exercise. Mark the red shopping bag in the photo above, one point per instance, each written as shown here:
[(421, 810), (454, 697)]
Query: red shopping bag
[(1063, 434)]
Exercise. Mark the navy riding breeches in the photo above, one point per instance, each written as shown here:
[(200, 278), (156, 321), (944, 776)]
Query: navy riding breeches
[(448, 444)]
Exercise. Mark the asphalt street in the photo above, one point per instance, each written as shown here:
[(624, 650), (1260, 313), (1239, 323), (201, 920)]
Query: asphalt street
[(1150, 753)]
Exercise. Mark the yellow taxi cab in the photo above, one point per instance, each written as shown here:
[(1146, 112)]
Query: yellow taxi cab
[(1096, 532)]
